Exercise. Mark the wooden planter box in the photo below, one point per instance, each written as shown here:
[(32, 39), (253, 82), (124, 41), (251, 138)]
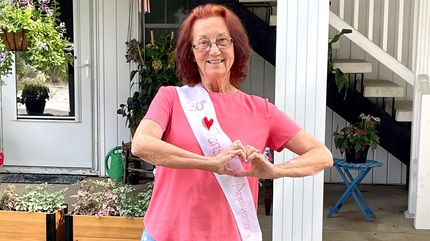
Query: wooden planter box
[(85, 228), (25, 226)]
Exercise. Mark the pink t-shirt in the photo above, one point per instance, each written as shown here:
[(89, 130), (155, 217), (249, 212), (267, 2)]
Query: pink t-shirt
[(188, 204)]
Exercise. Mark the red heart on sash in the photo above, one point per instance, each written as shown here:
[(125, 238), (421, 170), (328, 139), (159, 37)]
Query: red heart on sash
[(208, 122)]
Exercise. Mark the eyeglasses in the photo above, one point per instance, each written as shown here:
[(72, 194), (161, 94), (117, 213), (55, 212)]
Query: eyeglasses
[(206, 45)]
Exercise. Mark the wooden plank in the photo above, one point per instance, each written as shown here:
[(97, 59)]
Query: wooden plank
[(21, 236), (23, 226), (13, 222), (113, 228)]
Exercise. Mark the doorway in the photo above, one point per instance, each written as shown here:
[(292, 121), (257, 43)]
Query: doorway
[(61, 140)]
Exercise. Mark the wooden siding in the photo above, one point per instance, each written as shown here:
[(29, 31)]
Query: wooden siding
[(112, 72), (261, 78)]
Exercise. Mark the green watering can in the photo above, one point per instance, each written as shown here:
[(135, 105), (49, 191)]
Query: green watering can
[(116, 168)]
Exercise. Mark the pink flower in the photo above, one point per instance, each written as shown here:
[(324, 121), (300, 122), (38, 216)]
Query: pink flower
[(1, 158)]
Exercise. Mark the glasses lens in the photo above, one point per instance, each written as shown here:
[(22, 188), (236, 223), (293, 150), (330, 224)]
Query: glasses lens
[(223, 43), (205, 45)]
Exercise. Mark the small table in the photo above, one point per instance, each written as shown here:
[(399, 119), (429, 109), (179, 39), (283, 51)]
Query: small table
[(343, 168)]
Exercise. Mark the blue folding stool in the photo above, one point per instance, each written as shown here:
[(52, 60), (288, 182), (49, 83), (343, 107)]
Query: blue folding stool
[(352, 185)]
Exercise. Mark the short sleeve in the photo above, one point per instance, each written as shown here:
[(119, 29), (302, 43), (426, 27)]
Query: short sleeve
[(161, 107), (281, 128)]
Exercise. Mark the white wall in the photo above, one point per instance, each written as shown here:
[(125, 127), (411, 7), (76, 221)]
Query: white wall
[(261, 78), (112, 71)]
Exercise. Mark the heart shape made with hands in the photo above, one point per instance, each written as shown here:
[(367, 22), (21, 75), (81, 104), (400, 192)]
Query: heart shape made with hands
[(208, 122)]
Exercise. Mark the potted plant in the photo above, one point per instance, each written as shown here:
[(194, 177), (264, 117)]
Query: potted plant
[(341, 79), (34, 96), (355, 139), (155, 68), (37, 213), (33, 26), (107, 210)]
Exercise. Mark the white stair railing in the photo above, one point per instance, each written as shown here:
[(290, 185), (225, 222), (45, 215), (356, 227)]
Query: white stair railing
[(377, 31), (373, 49)]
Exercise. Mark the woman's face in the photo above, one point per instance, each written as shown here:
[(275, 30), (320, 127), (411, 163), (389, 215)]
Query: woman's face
[(214, 63)]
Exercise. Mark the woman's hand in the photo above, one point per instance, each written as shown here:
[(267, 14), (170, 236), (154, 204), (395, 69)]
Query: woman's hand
[(261, 167), (235, 149)]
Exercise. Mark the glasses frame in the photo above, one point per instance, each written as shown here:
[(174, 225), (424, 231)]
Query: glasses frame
[(196, 45)]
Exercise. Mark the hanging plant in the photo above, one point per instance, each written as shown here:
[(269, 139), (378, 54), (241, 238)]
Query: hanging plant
[(38, 23)]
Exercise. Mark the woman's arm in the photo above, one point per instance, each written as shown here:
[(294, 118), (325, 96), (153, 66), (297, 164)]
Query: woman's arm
[(148, 146), (313, 158)]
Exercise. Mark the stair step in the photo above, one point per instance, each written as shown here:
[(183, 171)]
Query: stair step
[(352, 66), (272, 21), (403, 110), (382, 88)]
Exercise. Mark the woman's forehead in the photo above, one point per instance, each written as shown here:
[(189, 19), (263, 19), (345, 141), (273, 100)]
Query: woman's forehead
[(209, 27)]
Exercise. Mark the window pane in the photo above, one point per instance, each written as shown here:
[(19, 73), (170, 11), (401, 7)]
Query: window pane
[(157, 14), (60, 85), (176, 11)]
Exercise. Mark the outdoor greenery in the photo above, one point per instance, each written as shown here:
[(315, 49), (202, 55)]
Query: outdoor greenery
[(8, 198), (358, 136), (39, 20), (35, 198), (155, 68), (34, 90), (108, 198), (341, 79)]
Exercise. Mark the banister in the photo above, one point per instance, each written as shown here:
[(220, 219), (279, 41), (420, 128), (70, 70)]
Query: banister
[(373, 49)]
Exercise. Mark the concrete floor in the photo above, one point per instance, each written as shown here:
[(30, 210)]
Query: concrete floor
[(387, 201)]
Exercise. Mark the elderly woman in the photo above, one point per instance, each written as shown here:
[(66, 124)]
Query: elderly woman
[(206, 138)]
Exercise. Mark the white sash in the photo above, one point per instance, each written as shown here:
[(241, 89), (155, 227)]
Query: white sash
[(201, 116)]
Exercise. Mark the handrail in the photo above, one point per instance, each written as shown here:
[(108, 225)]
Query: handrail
[(373, 49)]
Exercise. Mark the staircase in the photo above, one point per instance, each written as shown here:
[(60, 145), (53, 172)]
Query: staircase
[(389, 95)]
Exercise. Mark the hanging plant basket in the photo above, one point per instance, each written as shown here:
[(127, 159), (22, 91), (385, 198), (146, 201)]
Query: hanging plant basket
[(15, 41)]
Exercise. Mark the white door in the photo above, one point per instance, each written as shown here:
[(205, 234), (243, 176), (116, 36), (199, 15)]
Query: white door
[(62, 139)]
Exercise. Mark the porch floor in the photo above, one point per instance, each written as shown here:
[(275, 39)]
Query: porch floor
[(387, 201)]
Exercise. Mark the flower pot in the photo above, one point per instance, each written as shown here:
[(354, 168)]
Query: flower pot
[(35, 107), (359, 156), (15, 41)]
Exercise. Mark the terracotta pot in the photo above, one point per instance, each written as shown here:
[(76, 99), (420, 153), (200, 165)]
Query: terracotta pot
[(15, 41)]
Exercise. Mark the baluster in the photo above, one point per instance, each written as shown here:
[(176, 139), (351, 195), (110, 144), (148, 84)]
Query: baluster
[(356, 14), (385, 25), (400, 30), (342, 9), (371, 20)]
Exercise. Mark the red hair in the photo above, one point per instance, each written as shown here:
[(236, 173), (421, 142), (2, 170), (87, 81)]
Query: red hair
[(187, 69)]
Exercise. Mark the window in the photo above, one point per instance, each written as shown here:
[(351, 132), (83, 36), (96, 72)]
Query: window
[(61, 102)]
